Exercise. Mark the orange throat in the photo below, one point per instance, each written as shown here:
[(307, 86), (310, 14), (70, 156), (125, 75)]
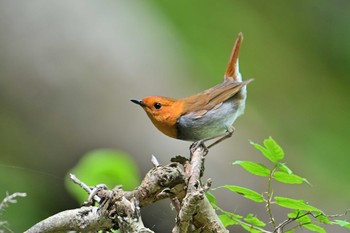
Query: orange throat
[(167, 127), (166, 121)]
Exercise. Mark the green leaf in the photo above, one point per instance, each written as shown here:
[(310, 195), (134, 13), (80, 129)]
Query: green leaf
[(251, 229), (275, 150), (271, 151), (254, 220), (342, 223), (104, 166), (299, 216), (313, 227), (247, 193), (263, 150), (254, 168), (211, 198), (304, 219), (294, 204), (323, 219), (284, 168), (227, 220), (232, 215), (295, 214), (288, 178)]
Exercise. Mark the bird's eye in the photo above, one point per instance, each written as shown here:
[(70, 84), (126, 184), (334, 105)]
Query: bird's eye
[(157, 105)]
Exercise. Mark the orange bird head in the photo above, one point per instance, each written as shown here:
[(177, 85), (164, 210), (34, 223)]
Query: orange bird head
[(163, 112)]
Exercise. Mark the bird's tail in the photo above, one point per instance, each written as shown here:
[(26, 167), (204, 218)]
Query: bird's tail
[(232, 71)]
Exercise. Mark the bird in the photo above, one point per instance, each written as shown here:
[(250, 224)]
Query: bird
[(205, 116)]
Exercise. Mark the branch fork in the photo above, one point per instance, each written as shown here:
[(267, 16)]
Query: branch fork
[(119, 209)]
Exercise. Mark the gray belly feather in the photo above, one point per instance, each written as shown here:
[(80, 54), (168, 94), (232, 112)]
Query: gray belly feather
[(214, 122)]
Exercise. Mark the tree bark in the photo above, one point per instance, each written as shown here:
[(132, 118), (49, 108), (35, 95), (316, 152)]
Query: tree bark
[(119, 209)]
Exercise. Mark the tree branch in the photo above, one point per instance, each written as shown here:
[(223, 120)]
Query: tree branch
[(119, 209), (196, 211), (83, 219)]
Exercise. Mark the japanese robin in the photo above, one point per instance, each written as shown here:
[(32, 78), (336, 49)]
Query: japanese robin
[(207, 115)]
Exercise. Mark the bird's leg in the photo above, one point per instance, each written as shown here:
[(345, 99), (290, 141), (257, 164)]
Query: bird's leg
[(220, 137), (223, 136)]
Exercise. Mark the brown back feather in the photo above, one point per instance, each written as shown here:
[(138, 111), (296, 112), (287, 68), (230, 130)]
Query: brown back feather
[(208, 99)]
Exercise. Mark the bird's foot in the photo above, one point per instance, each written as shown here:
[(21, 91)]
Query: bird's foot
[(194, 146)]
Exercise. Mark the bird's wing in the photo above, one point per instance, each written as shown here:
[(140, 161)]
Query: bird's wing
[(213, 97)]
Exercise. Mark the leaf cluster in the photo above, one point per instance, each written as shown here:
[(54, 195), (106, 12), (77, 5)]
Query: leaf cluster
[(302, 215)]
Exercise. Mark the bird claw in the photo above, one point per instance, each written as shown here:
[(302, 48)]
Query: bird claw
[(194, 146)]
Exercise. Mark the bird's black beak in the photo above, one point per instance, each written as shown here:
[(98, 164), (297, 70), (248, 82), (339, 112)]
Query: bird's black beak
[(139, 102)]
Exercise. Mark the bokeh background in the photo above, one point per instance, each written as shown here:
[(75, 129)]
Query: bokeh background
[(69, 68)]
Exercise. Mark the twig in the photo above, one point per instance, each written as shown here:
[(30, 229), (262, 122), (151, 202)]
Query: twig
[(280, 227), (4, 203), (269, 197), (338, 215), (258, 229), (80, 183), (10, 199), (92, 192), (154, 161)]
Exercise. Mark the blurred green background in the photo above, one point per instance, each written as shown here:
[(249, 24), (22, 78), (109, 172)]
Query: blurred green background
[(69, 68)]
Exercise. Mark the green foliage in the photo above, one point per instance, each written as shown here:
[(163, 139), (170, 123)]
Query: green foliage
[(272, 150), (342, 223), (304, 215), (254, 168), (288, 178), (211, 198), (105, 166), (254, 220), (294, 204), (247, 193), (227, 220), (314, 227)]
